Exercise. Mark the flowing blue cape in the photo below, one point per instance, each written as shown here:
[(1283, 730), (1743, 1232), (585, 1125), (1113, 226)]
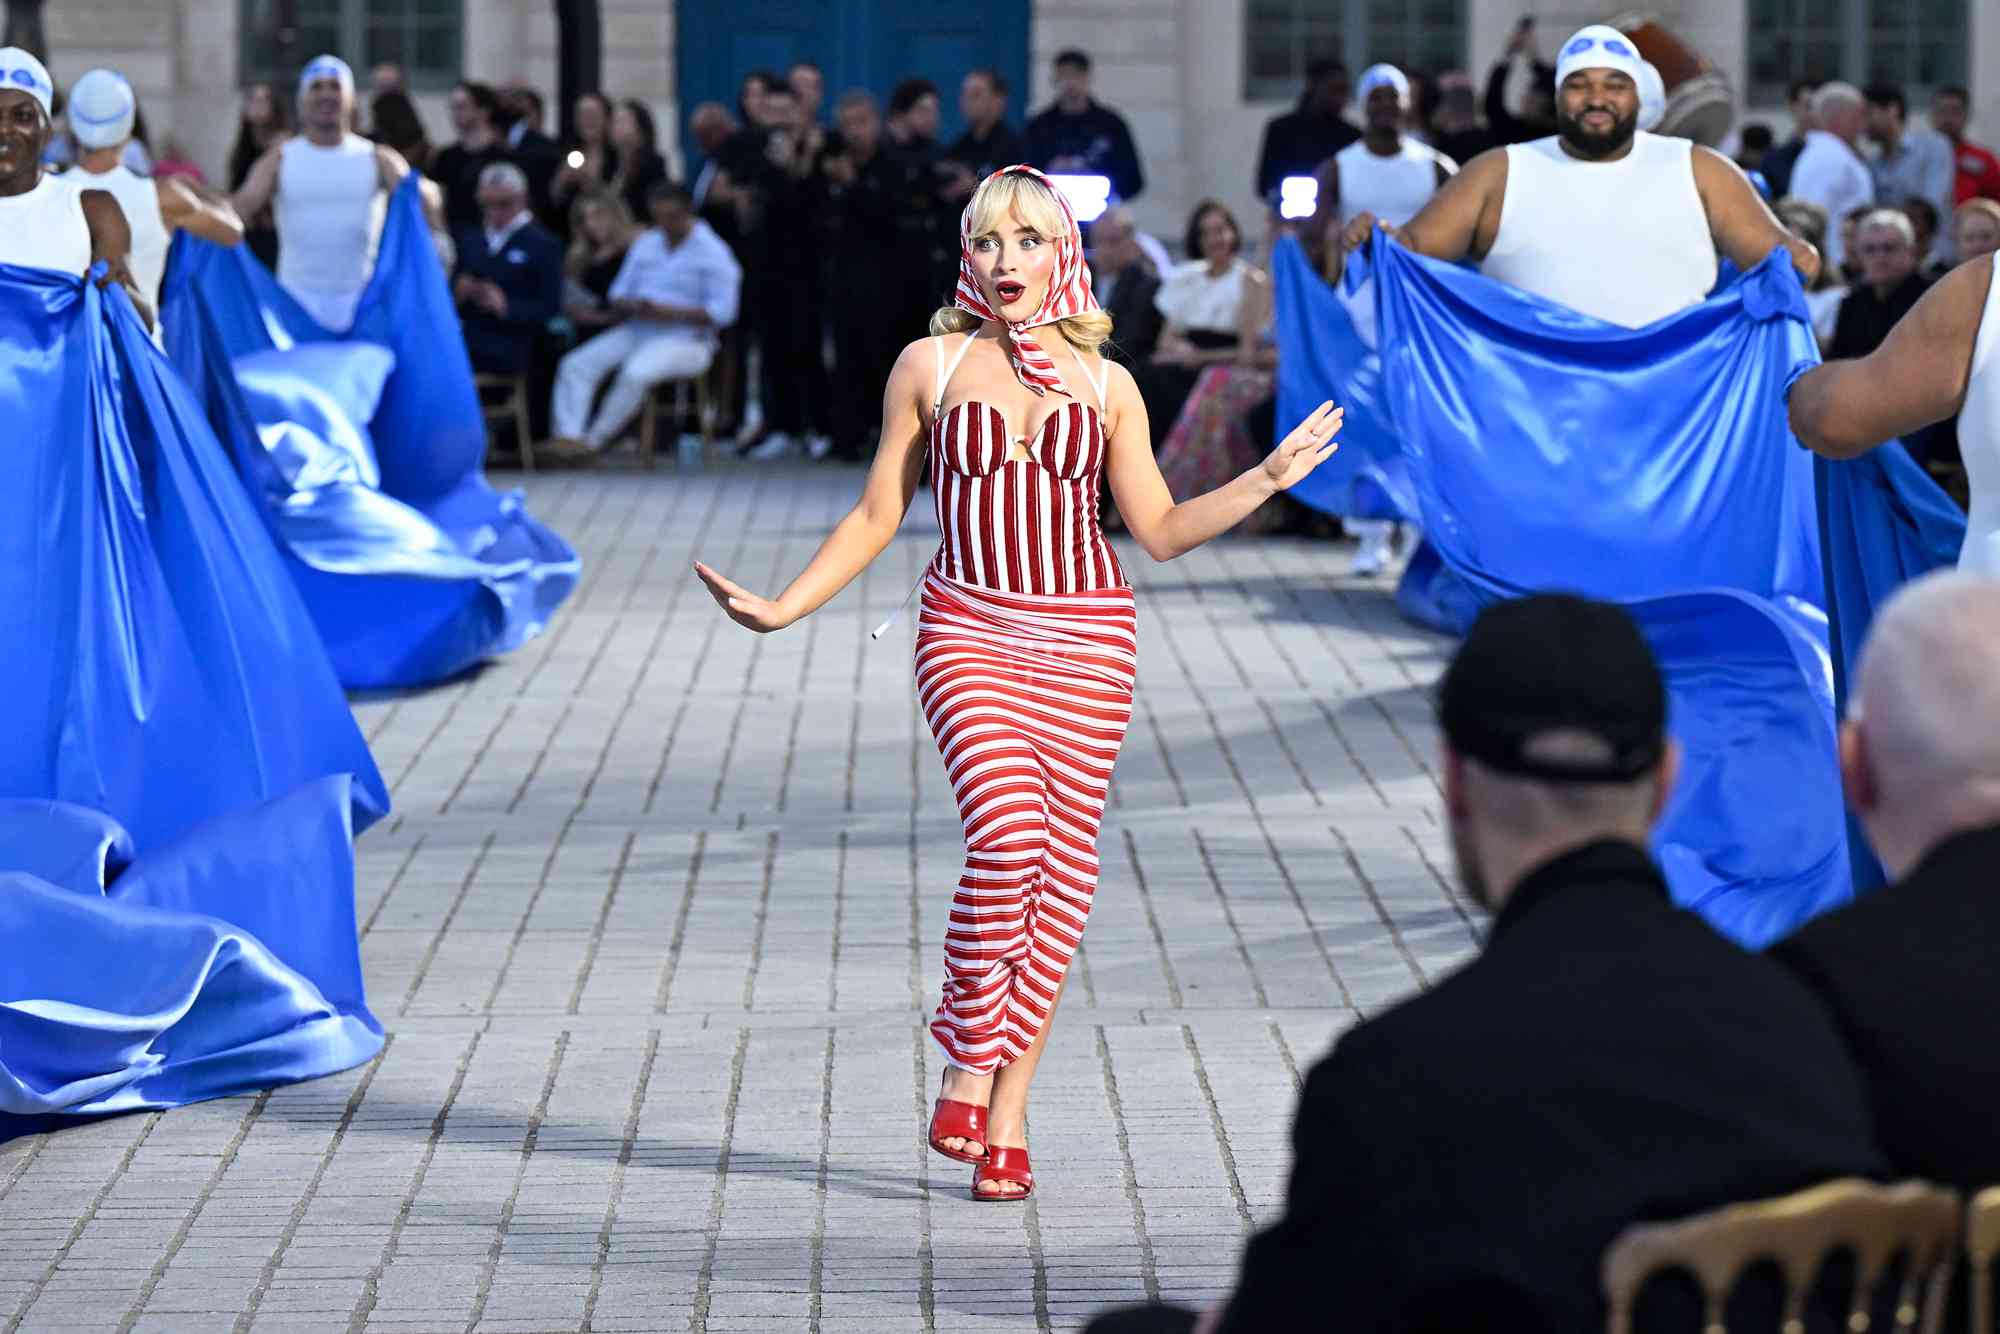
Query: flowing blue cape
[(413, 567), (1549, 450), (181, 777)]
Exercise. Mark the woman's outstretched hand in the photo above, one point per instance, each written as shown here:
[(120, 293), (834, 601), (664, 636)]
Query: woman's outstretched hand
[(1310, 444), (744, 607)]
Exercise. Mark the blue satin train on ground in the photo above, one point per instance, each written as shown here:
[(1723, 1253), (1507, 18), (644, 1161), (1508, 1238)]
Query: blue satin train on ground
[(364, 450), (181, 777), (1546, 449)]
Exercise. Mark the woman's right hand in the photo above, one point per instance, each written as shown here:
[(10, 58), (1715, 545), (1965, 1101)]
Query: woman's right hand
[(744, 607)]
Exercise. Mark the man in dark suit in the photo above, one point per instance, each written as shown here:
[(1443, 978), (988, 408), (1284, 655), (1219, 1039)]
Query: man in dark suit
[(538, 156), (508, 285), (1462, 1160), (1125, 285), (1910, 971)]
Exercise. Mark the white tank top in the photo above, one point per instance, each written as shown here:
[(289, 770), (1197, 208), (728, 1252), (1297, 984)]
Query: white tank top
[(329, 212), (45, 228), (1625, 241), (1979, 442), (140, 198), (1394, 188)]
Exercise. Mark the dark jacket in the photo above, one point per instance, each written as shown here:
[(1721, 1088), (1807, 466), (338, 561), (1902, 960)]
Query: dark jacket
[(1096, 141), (539, 158), (1135, 319), (1865, 319), (1910, 973), (529, 269), (1463, 1160), (456, 169), (1505, 126), (1000, 148), (1296, 143)]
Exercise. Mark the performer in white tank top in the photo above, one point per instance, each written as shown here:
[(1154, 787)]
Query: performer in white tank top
[(1942, 357), (327, 188), (101, 110), (1388, 175), (1604, 218), (47, 222)]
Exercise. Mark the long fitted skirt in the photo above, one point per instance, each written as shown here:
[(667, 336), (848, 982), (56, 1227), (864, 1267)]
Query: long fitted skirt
[(1028, 696)]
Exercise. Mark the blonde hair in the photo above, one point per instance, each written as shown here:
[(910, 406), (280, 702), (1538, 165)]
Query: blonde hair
[(1033, 204), (581, 251)]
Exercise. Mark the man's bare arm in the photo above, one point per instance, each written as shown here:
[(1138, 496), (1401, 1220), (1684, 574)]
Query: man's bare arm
[(1845, 408), (1459, 222), (111, 244), (186, 207), (1741, 222), (260, 186)]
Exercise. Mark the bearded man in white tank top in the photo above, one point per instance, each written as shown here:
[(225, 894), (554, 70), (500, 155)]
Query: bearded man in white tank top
[(1602, 217), (1942, 357), (327, 188), (101, 110), (46, 222), (1389, 176)]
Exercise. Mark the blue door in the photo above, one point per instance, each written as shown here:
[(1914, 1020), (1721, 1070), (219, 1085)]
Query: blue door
[(872, 44)]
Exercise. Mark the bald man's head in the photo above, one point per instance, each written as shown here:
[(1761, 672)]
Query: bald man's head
[(1922, 752)]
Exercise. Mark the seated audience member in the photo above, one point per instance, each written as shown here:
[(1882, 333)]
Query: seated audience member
[(509, 280), (1886, 245), (1909, 970), (1462, 1159), (640, 165), (1924, 221), (1213, 440), (1200, 299), (1975, 229), (1125, 285), (604, 230), (678, 286), (1807, 221)]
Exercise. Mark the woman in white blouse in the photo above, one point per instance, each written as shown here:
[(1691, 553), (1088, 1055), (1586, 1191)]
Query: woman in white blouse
[(1203, 300)]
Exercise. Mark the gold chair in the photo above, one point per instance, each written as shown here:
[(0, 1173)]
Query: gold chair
[(1982, 1248), (649, 417), (1799, 1232), (510, 405)]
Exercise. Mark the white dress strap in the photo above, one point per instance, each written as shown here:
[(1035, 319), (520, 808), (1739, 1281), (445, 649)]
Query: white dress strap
[(1098, 381), (945, 372)]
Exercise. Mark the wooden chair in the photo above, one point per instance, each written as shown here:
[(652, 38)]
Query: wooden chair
[(1982, 1249), (510, 405), (1799, 1232), (649, 417)]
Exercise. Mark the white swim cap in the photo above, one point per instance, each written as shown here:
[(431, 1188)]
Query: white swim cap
[(101, 109), (1652, 95), (326, 67), (1383, 76), (20, 72), (1598, 46)]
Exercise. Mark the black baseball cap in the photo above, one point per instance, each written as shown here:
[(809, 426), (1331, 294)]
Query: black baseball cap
[(1554, 662)]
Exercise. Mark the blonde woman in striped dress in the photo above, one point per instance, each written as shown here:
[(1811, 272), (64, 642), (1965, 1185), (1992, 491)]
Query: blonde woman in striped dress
[(1026, 636)]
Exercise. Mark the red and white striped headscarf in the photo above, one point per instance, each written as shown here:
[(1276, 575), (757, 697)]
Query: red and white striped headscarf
[(1068, 294)]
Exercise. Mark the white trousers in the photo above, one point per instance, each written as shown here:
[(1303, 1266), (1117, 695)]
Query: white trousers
[(642, 358)]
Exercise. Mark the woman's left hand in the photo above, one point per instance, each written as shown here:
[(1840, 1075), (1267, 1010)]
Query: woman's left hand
[(1310, 444)]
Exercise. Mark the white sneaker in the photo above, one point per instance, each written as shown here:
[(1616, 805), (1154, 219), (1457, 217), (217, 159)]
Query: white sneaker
[(1377, 543), (818, 447), (773, 447)]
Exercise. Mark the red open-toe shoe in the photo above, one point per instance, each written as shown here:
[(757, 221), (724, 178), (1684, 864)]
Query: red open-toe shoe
[(952, 1119), (1003, 1162)]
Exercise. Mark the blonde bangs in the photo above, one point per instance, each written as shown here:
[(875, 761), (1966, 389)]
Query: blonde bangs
[(1018, 195)]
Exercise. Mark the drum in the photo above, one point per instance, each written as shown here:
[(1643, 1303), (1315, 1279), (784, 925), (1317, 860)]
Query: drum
[(1699, 105)]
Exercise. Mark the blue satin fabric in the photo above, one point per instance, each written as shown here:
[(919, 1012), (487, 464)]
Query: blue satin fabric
[(181, 776), (413, 567), (1654, 467)]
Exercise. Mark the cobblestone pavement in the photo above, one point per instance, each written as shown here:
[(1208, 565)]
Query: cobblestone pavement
[(654, 929)]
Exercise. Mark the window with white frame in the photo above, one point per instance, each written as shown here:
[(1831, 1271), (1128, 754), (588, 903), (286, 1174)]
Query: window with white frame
[(1281, 38), (423, 36), (1920, 44)]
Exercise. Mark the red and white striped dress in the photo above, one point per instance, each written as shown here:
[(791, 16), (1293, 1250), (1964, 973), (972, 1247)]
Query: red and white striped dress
[(1026, 659)]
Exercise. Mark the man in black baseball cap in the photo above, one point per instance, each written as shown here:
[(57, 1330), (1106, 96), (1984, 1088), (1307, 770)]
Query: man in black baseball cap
[(1555, 726), (1463, 1159)]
